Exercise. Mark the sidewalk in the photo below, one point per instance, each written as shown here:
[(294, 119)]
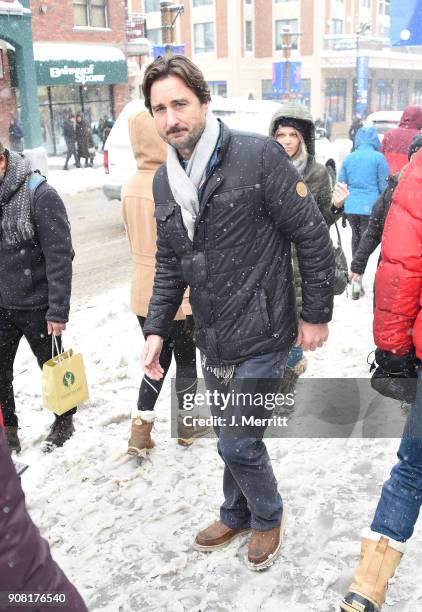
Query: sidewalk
[(75, 180)]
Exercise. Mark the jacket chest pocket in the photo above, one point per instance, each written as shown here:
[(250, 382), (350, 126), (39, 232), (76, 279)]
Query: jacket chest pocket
[(232, 217), (170, 222)]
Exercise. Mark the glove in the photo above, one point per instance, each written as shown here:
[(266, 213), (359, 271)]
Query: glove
[(396, 365), (396, 376)]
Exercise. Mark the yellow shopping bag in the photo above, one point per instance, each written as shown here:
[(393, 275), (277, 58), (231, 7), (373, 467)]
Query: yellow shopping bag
[(64, 384)]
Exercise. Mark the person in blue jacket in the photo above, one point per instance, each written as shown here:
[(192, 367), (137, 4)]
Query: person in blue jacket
[(365, 172)]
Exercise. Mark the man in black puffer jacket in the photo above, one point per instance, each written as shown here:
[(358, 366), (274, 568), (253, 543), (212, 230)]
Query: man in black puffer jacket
[(35, 280), (228, 206)]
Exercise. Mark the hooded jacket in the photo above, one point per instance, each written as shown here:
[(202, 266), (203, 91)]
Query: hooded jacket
[(396, 142), (25, 558), (398, 282), (315, 174), (365, 171), (252, 206), (150, 152)]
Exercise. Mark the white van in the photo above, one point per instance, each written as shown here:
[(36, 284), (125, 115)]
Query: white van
[(237, 113), (119, 162), (383, 121)]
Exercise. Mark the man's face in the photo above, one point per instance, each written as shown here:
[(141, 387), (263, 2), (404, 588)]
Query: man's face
[(179, 115)]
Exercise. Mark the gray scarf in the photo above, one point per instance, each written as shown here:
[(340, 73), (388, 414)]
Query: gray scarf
[(186, 185), (15, 200)]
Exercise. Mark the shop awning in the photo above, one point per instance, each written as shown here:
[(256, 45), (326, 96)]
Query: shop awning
[(76, 64)]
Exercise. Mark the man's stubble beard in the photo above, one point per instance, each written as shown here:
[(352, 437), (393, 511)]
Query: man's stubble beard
[(190, 142)]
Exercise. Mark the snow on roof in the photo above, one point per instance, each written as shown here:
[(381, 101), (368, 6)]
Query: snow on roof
[(14, 7), (46, 51)]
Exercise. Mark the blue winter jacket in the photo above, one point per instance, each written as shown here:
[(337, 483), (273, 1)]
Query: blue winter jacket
[(365, 171)]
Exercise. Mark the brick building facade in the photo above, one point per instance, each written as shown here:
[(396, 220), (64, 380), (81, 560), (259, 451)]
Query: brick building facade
[(63, 30)]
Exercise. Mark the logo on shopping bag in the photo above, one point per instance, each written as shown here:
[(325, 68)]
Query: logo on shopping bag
[(69, 379)]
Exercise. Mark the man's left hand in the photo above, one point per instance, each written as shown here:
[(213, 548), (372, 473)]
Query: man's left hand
[(55, 328), (311, 335)]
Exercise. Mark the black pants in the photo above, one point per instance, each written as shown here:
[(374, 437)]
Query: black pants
[(13, 325), (181, 344), (358, 223), (71, 150)]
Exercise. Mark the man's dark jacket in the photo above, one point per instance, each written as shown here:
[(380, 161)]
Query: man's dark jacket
[(26, 564), (69, 133), (239, 268), (37, 274)]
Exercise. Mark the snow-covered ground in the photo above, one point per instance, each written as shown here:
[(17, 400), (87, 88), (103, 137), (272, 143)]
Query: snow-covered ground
[(122, 528), (76, 180)]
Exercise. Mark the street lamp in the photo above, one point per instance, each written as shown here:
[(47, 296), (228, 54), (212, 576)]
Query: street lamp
[(361, 31), (288, 39)]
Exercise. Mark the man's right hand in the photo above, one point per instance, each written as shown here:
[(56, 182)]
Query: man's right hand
[(150, 358)]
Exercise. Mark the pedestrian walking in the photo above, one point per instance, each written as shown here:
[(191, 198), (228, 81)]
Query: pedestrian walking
[(293, 127), (398, 336), (69, 134), (357, 123), (228, 205), (138, 215), (35, 280), (396, 142), (84, 141), (365, 172), (15, 135)]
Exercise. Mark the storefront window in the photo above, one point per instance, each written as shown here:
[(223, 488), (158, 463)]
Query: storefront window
[(384, 95), (335, 98), (56, 103), (403, 95), (218, 88), (417, 93)]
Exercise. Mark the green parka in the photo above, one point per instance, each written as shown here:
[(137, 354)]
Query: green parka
[(315, 175)]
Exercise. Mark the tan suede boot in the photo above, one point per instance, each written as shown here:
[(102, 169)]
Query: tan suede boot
[(140, 441), (188, 432), (378, 561)]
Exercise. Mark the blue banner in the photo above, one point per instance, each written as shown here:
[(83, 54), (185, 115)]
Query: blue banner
[(158, 50), (279, 77), (362, 84), (406, 23)]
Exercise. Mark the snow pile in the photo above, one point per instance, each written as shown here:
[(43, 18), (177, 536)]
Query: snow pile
[(76, 180), (122, 529)]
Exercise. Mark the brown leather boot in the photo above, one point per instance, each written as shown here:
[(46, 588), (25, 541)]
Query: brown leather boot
[(188, 433), (12, 438), (378, 562), (140, 441), (217, 536), (264, 546)]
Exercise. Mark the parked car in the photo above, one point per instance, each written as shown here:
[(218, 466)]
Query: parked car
[(119, 162), (237, 113), (383, 121)]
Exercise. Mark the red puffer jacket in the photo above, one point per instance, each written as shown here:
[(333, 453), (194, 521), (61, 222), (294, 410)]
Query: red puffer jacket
[(398, 282), (396, 142), (25, 559)]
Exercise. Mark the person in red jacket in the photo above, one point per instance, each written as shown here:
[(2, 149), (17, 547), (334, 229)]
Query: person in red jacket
[(396, 142), (398, 336), (26, 564)]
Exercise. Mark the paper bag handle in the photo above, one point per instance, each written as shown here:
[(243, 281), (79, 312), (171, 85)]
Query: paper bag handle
[(54, 342)]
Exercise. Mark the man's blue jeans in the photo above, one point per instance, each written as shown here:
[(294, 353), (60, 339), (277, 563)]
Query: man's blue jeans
[(401, 496), (251, 497)]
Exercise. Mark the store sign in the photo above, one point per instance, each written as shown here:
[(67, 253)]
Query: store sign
[(362, 84), (56, 72), (81, 75), (406, 23), (294, 77)]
